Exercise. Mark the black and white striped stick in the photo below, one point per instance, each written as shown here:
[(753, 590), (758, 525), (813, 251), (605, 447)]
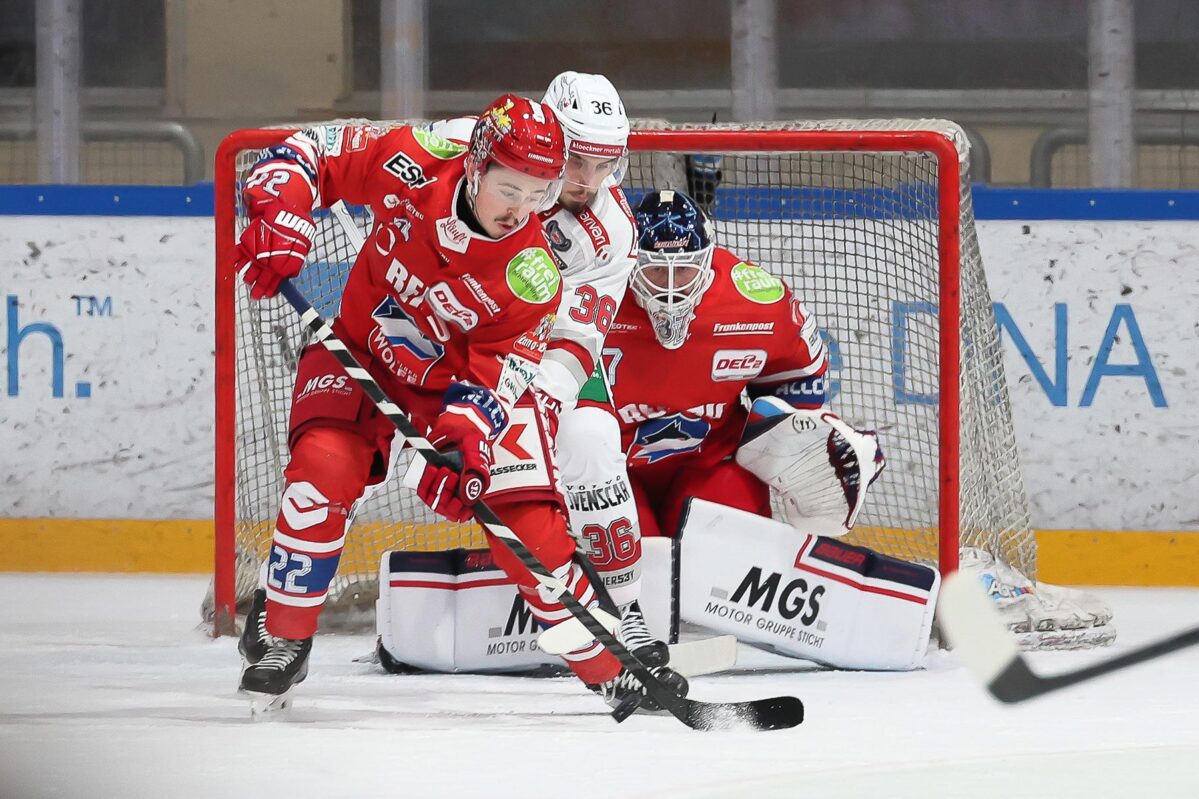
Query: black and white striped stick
[(774, 713)]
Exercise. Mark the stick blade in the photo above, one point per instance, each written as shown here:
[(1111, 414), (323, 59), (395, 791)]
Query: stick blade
[(776, 713), (705, 656), (975, 630)]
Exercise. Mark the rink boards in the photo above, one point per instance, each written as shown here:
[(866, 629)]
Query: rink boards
[(107, 410)]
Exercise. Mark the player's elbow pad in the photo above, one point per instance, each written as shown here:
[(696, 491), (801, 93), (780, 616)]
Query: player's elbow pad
[(282, 175)]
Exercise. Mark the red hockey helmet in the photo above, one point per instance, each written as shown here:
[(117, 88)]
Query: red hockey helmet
[(520, 134)]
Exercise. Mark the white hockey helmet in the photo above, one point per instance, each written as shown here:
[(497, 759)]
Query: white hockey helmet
[(592, 117)]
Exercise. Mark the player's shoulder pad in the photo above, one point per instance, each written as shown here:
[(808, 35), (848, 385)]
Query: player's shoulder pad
[(456, 130), (615, 235), (622, 202), (624, 225), (531, 272), (418, 157)]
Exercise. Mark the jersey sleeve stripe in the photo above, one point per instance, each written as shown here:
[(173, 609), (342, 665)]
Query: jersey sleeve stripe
[(304, 144)]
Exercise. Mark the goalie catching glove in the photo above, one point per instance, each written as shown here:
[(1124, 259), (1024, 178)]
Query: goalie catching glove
[(819, 465), (470, 420)]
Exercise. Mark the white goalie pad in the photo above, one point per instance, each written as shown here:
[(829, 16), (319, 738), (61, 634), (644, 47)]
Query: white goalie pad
[(805, 596), (820, 466), (1040, 615), (455, 611)]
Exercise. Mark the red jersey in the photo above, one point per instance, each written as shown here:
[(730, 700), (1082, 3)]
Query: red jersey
[(684, 406), (429, 300)]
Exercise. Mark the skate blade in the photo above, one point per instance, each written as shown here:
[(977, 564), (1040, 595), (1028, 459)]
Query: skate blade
[(267, 706)]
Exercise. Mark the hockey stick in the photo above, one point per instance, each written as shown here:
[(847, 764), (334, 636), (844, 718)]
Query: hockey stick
[(774, 713), (698, 658), (983, 643)]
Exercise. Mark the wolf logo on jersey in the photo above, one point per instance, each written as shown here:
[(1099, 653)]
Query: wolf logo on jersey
[(402, 332), (660, 438)]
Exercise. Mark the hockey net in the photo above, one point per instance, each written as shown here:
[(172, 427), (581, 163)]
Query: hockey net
[(869, 222)]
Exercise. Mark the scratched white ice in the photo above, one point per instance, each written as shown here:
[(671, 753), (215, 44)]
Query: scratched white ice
[(108, 689)]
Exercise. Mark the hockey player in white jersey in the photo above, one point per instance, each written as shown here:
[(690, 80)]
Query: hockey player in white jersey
[(590, 229)]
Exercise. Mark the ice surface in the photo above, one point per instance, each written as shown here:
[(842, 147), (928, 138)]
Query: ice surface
[(107, 688)]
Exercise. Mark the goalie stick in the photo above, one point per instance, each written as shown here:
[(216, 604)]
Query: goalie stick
[(987, 649), (781, 712)]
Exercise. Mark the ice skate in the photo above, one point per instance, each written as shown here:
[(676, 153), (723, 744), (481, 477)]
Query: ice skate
[(1040, 615), (636, 637), (625, 693), (254, 638), (270, 681)]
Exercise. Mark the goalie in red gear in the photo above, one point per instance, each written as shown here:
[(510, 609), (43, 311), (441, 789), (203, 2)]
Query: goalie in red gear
[(447, 305), (700, 335)]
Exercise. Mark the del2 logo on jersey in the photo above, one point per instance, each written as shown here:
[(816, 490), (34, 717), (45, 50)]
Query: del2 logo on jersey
[(737, 364), (445, 304)]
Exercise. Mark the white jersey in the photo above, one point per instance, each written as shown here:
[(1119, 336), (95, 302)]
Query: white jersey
[(595, 250), (594, 247)]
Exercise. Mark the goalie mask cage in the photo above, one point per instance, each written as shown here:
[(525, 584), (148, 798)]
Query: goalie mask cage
[(869, 222)]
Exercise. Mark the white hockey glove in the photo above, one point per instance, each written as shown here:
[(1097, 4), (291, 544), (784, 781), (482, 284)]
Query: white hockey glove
[(819, 465)]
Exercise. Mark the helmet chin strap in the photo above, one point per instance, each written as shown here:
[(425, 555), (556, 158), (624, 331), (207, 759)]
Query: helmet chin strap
[(472, 188)]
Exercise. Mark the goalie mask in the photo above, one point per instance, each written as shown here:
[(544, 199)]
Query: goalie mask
[(674, 263), (596, 128)]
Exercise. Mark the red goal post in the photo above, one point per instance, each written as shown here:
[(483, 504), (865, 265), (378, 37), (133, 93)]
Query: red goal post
[(876, 211)]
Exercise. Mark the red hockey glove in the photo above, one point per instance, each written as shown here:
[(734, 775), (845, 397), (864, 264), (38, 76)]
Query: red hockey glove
[(273, 247), (471, 419)]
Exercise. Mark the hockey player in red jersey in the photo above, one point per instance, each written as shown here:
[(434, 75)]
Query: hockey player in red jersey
[(590, 230), (448, 305)]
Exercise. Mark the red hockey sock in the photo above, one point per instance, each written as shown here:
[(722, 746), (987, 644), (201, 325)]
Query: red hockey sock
[(328, 472), (542, 527)]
